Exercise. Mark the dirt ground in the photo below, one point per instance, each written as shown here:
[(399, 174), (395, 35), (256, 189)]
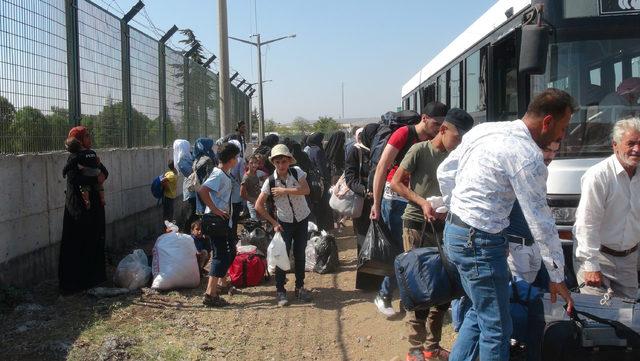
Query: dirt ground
[(340, 324)]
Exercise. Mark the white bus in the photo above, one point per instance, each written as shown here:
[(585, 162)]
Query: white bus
[(520, 47)]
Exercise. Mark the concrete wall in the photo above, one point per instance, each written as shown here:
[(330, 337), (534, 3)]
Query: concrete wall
[(32, 206)]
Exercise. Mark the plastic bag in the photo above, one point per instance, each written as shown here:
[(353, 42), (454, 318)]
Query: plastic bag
[(326, 254), (378, 252), (259, 238), (310, 253), (277, 254), (133, 271), (174, 262)]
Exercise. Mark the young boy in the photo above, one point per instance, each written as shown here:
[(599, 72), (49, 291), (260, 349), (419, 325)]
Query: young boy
[(250, 186), (288, 187), (202, 243), (169, 185), (215, 193), (88, 163)]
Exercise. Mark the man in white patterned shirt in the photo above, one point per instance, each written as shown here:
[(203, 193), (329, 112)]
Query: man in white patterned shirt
[(495, 164), (607, 228)]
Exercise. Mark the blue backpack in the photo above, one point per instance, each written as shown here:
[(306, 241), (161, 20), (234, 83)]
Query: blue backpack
[(156, 187)]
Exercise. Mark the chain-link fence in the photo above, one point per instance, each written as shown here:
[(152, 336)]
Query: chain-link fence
[(64, 63)]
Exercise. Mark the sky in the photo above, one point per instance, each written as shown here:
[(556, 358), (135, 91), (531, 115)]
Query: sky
[(372, 46)]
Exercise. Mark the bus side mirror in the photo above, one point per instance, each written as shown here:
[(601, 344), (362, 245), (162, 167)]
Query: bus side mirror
[(534, 44)]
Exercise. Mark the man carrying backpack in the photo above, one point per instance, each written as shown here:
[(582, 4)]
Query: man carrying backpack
[(390, 206), (420, 167)]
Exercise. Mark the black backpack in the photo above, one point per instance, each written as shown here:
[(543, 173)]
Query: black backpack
[(316, 185), (389, 123), (380, 142)]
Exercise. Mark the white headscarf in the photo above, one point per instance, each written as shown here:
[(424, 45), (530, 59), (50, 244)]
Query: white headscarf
[(357, 135), (238, 171), (181, 149)]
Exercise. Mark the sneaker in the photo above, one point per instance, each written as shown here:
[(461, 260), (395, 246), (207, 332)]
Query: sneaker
[(214, 301), (281, 297), (416, 355), (303, 295), (438, 354), (384, 306)]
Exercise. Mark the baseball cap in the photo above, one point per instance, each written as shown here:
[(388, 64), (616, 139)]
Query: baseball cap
[(461, 119), (435, 110)]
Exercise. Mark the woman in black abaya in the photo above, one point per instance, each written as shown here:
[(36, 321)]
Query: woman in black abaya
[(82, 260)]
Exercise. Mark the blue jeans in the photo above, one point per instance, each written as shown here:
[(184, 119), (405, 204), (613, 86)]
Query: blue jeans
[(223, 253), (481, 260), (391, 212), (294, 234)]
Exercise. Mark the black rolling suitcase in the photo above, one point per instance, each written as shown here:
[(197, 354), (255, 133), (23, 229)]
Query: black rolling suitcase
[(586, 337)]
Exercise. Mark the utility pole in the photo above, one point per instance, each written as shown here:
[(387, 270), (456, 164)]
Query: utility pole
[(258, 44), (223, 76), (260, 96)]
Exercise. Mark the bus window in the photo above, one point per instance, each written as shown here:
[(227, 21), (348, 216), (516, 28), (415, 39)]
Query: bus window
[(428, 94), (472, 81), (617, 69), (595, 77), (592, 72), (505, 78), (454, 86), (415, 102), (442, 89)]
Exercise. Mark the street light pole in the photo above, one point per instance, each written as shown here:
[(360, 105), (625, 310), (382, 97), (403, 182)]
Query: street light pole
[(260, 93), (258, 44)]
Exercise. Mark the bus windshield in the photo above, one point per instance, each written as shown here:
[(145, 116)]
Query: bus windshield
[(604, 78)]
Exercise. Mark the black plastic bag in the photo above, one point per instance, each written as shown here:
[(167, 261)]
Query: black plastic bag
[(326, 255), (378, 252)]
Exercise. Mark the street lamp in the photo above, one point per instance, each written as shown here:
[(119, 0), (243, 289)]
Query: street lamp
[(258, 44)]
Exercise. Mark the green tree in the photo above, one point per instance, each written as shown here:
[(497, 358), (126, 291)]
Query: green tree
[(58, 123), (301, 126), (7, 116), (270, 126), (326, 125), (7, 111), (29, 130)]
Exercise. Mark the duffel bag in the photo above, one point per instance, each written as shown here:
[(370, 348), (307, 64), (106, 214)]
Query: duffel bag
[(425, 278), (248, 269)]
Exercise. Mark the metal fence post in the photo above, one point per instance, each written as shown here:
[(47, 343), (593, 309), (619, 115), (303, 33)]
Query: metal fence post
[(185, 96), (73, 62), (162, 92), (125, 44), (162, 82)]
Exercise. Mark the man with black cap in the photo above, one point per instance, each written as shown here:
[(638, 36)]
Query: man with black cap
[(239, 136), (419, 167), (387, 204)]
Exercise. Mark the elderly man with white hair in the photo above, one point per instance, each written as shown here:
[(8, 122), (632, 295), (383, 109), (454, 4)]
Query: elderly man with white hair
[(607, 228)]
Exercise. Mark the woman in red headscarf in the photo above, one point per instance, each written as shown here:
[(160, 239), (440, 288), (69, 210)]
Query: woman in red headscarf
[(82, 261)]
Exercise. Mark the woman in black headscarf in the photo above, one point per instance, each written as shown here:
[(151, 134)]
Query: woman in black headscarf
[(82, 260), (356, 173), (318, 158), (335, 155)]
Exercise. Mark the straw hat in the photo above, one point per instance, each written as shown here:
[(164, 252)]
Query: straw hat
[(281, 149)]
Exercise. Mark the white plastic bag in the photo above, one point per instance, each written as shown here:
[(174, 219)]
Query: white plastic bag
[(133, 271), (174, 262), (277, 254), (310, 253)]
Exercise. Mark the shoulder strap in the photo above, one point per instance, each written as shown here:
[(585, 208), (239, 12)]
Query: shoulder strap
[(294, 173), (412, 137)]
